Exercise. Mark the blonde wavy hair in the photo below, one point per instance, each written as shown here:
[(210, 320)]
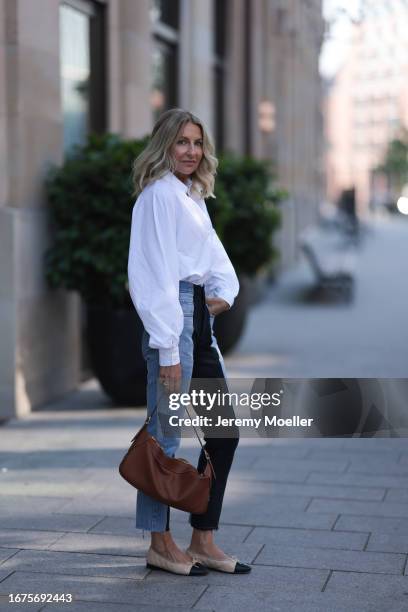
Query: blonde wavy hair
[(156, 160)]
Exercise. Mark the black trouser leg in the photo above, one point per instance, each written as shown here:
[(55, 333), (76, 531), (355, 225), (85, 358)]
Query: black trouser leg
[(221, 450)]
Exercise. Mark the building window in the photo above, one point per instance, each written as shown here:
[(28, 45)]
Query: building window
[(166, 12), (82, 68), (164, 15), (220, 21)]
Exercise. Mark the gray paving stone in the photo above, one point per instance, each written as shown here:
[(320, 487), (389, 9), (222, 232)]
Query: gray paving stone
[(19, 607), (369, 524), (11, 505), (307, 464), (369, 467), (374, 445), (265, 516), (50, 487), (367, 508), (397, 495), (98, 589), (308, 538), (320, 444), (259, 509), (272, 451), (25, 538), (106, 505), (102, 544), (51, 522), (386, 542), (358, 480), (231, 599), (282, 579), (309, 490), (76, 564), (349, 454), (226, 534), (277, 474), (26, 474), (371, 584), (320, 558), (90, 606)]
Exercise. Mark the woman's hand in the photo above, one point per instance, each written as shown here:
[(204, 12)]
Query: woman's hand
[(217, 305), (170, 377)]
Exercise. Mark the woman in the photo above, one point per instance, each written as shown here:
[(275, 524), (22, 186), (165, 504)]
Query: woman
[(180, 277)]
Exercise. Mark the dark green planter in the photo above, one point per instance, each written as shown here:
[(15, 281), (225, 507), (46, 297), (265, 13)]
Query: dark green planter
[(114, 340)]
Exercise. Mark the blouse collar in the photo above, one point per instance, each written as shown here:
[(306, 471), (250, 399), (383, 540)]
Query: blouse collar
[(177, 183)]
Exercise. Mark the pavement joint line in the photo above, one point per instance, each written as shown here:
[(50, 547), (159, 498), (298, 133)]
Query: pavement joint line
[(96, 524), (258, 553), (308, 529), (11, 556), (365, 515), (282, 526), (329, 575), (378, 552), (374, 474), (355, 486), (336, 520), (248, 534), (308, 504), (405, 566), (303, 567), (57, 540), (294, 482), (366, 543), (341, 499), (48, 573), (317, 547), (8, 575), (29, 571), (207, 586), (141, 555), (49, 530)]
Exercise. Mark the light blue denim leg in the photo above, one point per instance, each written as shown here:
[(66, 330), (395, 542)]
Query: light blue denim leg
[(151, 515)]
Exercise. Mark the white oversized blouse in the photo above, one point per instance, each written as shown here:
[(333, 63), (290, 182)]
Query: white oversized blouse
[(172, 239)]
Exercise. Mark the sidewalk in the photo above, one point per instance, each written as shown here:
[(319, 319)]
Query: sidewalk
[(323, 521)]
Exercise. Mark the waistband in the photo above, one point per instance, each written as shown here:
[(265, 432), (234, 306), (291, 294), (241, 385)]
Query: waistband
[(187, 287)]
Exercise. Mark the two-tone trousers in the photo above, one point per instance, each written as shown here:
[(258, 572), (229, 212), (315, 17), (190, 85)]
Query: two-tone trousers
[(200, 360)]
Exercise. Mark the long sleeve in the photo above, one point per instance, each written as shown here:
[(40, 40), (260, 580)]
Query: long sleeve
[(223, 281), (153, 272)]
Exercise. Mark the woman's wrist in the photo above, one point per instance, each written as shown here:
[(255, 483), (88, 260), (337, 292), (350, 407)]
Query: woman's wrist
[(169, 356)]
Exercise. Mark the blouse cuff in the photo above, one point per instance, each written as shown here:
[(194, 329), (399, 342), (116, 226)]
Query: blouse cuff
[(169, 356), (228, 296)]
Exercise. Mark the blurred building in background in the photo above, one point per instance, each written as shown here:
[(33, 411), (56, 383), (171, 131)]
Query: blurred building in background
[(249, 68), (367, 104)]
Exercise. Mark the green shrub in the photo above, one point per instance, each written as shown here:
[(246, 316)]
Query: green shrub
[(91, 206), (250, 215)]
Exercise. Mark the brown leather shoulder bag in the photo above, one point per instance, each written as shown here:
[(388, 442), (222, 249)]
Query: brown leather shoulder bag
[(174, 482)]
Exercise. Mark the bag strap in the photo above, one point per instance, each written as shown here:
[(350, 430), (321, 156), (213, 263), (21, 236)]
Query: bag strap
[(207, 456)]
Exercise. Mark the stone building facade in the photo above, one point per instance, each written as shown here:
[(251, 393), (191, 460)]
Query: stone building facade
[(367, 104), (249, 68)]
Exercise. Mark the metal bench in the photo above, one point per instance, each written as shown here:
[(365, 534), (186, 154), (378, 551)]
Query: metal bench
[(332, 262)]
